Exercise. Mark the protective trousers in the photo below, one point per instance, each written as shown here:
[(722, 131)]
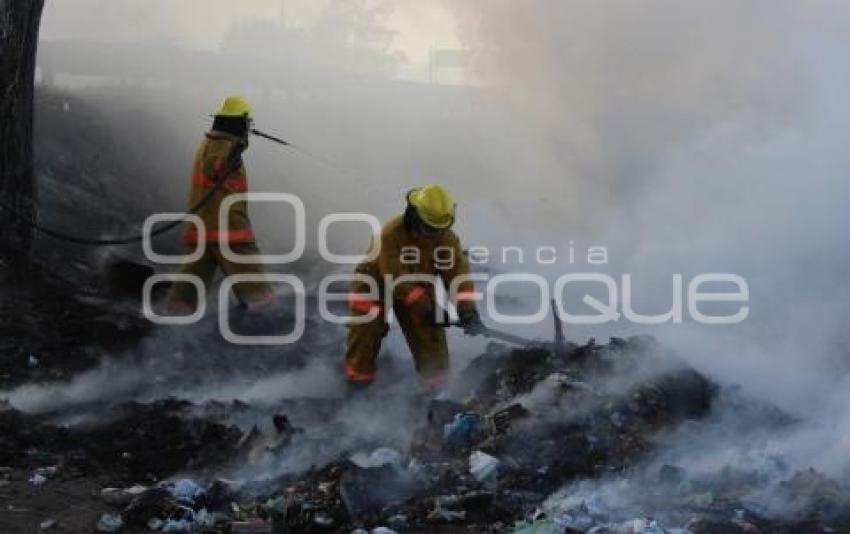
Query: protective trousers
[(426, 340), (255, 296)]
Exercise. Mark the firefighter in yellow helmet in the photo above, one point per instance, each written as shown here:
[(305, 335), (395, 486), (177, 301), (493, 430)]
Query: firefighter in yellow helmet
[(411, 244), (220, 153)]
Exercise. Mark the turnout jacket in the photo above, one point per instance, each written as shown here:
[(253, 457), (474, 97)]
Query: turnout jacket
[(405, 252), (210, 161)]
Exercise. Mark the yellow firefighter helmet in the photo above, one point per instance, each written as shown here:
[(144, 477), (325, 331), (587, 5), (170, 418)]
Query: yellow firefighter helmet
[(434, 204), (234, 106)]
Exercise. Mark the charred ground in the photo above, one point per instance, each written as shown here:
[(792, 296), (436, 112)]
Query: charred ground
[(544, 418)]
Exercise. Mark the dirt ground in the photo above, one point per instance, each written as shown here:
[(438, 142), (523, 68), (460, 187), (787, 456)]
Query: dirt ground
[(72, 502), (39, 316)]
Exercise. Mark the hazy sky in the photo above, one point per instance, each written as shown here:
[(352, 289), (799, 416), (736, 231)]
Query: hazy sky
[(203, 23)]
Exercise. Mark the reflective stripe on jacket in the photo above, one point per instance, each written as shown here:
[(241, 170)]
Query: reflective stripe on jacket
[(394, 240), (210, 160)]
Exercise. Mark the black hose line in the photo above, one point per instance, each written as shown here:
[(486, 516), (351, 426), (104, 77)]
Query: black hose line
[(234, 162), (234, 159)]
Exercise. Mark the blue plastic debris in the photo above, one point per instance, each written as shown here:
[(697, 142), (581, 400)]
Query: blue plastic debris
[(172, 525), (462, 429), (110, 523), (184, 490)]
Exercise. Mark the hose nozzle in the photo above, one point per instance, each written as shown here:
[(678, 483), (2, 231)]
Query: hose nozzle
[(272, 138)]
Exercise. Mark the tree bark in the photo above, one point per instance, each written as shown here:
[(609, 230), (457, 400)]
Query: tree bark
[(19, 24)]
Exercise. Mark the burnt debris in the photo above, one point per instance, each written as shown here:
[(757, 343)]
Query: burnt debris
[(492, 458)]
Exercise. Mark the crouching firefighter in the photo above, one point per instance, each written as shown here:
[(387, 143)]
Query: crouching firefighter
[(410, 244), (219, 158)]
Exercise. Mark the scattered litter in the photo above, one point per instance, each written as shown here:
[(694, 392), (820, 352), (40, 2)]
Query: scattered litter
[(442, 411), (176, 525), (41, 474), (110, 523), (442, 513), (378, 457), (47, 524), (483, 467), (449, 474), (204, 519), (633, 526), (540, 526), (504, 418), (184, 490), (462, 429), (323, 520)]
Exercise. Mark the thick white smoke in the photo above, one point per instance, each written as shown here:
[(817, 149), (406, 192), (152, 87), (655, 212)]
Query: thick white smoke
[(685, 137), (697, 137)]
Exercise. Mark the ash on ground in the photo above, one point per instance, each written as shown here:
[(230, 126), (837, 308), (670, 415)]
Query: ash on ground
[(539, 439)]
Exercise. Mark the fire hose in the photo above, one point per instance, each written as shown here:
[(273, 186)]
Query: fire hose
[(234, 160)]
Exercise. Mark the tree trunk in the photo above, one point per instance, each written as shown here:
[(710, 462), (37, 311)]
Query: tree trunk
[(19, 23)]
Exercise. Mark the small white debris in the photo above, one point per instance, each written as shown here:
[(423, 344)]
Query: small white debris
[(185, 489), (110, 523), (483, 467), (379, 457), (47, 471), (121, 496)]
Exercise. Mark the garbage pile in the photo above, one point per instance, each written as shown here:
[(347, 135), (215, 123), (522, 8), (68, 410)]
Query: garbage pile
[(523, 443), (527, 422)]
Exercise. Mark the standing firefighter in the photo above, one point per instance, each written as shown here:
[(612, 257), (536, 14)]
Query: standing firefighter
[(419, 242), (219, 157)]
